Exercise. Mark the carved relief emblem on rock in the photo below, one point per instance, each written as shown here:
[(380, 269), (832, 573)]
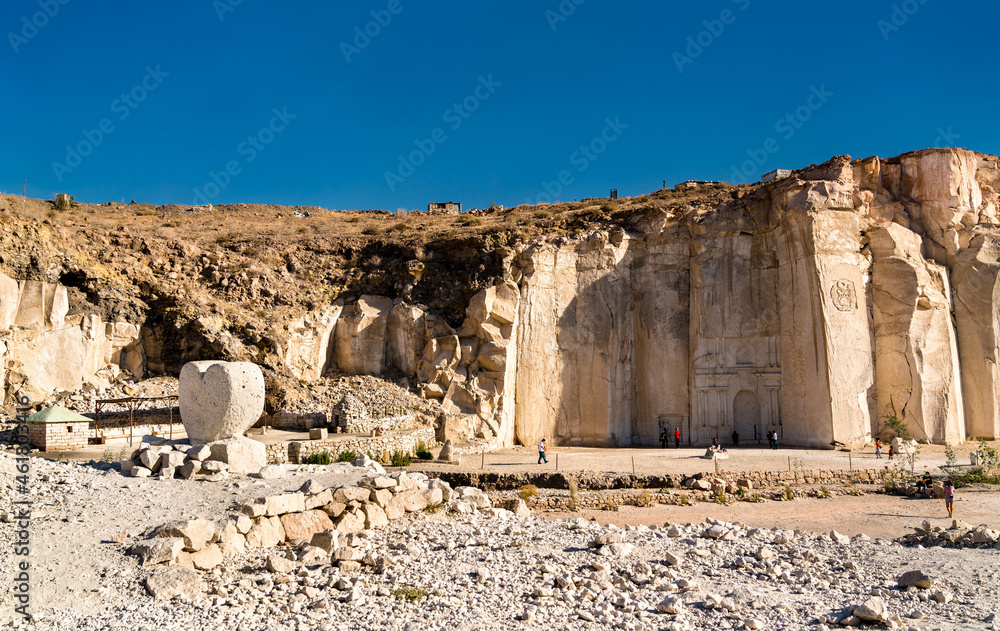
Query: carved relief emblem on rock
[(843, 295)]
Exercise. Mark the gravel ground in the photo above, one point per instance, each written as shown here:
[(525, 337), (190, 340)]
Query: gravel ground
[(490, 570)]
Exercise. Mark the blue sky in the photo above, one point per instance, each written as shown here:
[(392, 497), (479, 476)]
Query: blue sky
[(506, 101)]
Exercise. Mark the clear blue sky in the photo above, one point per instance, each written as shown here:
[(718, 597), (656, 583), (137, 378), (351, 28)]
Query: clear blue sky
[(545, 78)]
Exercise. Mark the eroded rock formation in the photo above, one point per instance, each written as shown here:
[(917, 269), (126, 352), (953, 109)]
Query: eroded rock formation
[(814, 306), (43, 350)]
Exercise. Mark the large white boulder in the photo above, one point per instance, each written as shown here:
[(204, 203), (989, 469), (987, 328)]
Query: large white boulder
[(220, 400)]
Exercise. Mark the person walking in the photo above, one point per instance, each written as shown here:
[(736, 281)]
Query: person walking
[(736, 439), (677, 437), (541, 452), (892, 451), (878, 449), (949, 498), (663, 438), (774, 439)]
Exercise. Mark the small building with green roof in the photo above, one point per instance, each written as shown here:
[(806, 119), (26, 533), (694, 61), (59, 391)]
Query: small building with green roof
[(58, 429)]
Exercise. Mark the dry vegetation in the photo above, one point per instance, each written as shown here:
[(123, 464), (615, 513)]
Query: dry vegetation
[(236, 276)]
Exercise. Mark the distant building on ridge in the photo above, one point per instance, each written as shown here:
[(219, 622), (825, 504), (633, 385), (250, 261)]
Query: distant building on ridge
[(454, 208)]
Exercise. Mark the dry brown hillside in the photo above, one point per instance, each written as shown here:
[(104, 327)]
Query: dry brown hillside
[(225, 282)]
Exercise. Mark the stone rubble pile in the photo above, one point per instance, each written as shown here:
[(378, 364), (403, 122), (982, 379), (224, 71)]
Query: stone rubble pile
[(320, 523), (491, 567), (959, 535), (210, 462), (379, 397)]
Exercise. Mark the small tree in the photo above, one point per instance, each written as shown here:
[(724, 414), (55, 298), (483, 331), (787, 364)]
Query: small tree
[(897, 426)]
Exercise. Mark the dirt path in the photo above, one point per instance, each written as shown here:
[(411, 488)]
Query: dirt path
[(876, 515)]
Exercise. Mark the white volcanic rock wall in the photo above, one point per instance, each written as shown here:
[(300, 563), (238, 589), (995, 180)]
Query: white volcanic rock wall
[(42, 350), (813, 306)]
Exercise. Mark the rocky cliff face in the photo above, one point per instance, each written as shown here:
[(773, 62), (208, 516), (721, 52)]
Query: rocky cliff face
[(814, 306), (43, 350)]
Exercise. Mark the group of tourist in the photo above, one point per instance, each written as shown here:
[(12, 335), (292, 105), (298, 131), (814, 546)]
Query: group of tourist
[(772, 438), (664, 438)]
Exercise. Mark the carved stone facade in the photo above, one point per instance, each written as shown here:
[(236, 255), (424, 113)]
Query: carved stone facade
[(736, 387)]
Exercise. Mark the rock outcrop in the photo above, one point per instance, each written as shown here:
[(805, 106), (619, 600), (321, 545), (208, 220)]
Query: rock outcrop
[(814, 306), (43, 349)]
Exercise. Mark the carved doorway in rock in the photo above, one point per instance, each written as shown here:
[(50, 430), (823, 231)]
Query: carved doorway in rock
[(746, 415)]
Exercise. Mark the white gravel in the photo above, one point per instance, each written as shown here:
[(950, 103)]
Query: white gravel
[(484, 571)]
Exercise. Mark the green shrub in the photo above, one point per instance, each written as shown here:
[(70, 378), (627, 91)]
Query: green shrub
[(788, 493), (372, 231), (401, 459), (318, 457), (423, 453), (410, 593), (720, 496), (347, 456), (897, 426), (949, 457)]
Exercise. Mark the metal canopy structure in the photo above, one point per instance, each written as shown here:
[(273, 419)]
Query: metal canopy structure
[(133, 405)]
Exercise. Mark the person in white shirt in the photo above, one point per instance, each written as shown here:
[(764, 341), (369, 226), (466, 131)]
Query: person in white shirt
[(541, 452)]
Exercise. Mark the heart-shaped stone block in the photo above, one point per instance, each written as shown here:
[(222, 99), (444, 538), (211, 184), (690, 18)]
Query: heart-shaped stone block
[(220, 400)]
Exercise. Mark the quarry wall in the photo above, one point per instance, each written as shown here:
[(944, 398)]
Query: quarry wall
[(814, 306)]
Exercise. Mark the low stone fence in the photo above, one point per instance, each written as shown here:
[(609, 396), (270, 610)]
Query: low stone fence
[(811, 476), (296, 451), (599, 481), (389, 423), (121, 435), (293, 421)]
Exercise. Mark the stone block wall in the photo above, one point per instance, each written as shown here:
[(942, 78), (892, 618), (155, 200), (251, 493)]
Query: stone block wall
[(297, 451), (293, 421), (119, 434), (403, 422), (58, 436)]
